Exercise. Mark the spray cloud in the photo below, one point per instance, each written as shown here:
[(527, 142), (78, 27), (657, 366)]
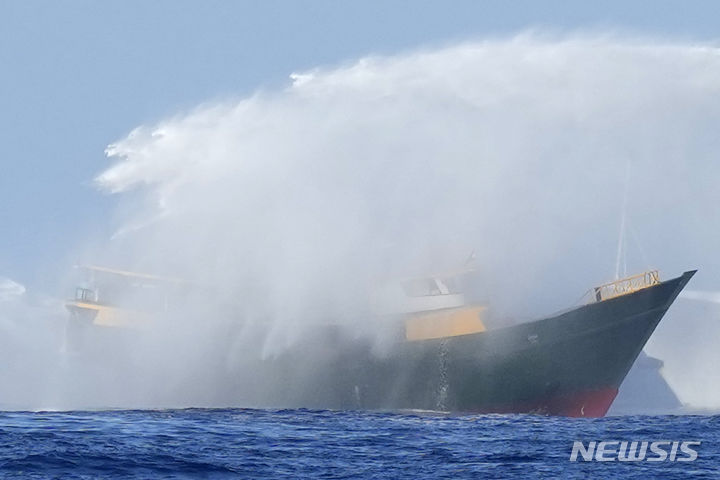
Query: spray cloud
[(289, 204)]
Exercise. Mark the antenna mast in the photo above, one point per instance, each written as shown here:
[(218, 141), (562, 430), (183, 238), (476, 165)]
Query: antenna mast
[(621, 250)]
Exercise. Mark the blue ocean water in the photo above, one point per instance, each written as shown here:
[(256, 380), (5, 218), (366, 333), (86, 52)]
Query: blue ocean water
[(246, 443)]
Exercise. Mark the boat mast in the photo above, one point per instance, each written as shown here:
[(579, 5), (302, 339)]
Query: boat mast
[(621, 250)]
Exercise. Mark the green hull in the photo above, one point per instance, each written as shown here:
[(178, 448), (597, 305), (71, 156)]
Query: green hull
[(570, 364)]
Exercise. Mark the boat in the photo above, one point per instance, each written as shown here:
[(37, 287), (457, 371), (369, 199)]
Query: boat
[(437, 353)]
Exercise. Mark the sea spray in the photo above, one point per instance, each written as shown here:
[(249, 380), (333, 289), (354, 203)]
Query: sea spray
[(288, 207)]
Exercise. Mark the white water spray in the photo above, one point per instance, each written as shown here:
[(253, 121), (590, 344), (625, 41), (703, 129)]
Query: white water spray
[(289, 203)]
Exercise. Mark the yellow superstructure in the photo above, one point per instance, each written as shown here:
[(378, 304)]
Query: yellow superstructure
[(107, 316), (445, 323), (118, 298), (433, 306)]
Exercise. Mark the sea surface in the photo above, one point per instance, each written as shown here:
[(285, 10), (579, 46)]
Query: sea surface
[(246, 443)]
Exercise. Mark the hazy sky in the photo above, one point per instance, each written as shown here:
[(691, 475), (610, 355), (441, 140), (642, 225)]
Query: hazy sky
[(77, 75)]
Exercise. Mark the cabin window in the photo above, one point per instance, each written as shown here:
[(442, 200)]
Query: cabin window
[(425, 287), (84, 295), (420, 287), (450, 284)]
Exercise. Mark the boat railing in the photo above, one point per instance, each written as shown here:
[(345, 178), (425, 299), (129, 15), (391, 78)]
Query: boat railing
[(622, 286)]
